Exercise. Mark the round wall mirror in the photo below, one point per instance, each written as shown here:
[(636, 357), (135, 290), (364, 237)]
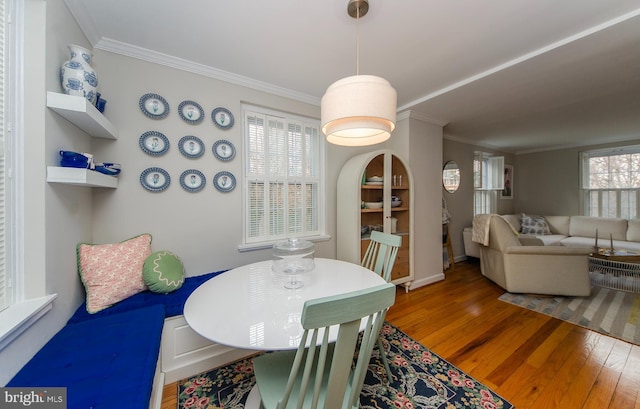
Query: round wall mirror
[(451, 176)]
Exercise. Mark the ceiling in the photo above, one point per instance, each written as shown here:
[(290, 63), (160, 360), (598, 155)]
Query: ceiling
[(516, 75)]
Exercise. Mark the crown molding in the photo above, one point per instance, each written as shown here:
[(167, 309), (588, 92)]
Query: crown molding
[(144, 54), (421, 117), (601, 141), (475, 143)]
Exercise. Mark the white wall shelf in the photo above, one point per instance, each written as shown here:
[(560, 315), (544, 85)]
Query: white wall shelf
[(80, 177), (81, 113)]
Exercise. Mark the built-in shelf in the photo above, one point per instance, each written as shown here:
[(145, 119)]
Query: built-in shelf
[(83, 114), (80, 177)]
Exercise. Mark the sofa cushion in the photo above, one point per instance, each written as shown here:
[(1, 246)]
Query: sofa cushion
[(632, 246), (633, 230), (546, 239), (104, 362), (587, 242), (576, 241), (163, 272), (536, 225), (514, 221), (558, 224), (586, 226), (112, 272)]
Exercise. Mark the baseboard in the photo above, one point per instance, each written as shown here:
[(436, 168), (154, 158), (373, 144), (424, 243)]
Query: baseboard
[(426, 281), (188, 370)]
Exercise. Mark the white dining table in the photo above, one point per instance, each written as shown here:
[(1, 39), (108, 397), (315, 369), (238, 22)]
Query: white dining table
[(249, 307)]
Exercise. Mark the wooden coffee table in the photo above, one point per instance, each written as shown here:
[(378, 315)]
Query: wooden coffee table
[(619, 270)]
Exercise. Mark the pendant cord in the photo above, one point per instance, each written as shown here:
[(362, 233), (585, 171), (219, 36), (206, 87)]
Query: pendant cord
[(358, 40)]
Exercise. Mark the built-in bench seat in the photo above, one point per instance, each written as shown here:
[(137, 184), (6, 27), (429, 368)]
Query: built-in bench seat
[(109, 359)]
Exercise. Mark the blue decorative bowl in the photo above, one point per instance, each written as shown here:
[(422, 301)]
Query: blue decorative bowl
[(108, 168), (69, 159)]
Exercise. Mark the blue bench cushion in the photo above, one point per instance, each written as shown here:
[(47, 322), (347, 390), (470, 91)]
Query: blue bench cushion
[(173, 302), (105, 362)]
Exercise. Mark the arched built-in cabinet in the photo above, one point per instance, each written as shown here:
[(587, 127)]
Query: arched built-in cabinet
[(367, 186)]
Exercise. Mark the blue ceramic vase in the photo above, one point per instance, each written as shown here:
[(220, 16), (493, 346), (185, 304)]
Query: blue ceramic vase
[(76, 75)]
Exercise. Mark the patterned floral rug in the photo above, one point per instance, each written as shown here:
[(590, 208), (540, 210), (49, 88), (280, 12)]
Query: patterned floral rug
[(421, 380)]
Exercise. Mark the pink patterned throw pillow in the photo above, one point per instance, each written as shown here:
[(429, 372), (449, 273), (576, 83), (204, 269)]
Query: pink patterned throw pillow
[(112, 272)]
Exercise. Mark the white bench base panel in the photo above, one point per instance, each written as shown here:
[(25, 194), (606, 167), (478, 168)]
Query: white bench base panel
[(184, 353)]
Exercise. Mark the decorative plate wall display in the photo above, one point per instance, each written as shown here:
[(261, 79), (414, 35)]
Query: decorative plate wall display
[(192, 180), (191, 112), (191, 146), (155, 179), (224, 150), (154, 106), (154, 143), (224, 181), (222, 118)]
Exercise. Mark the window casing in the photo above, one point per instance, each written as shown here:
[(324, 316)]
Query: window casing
[(283, 176), (487, 181), (610, 182)]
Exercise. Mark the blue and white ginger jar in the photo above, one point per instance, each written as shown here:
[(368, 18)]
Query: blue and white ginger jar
[(76, 75)]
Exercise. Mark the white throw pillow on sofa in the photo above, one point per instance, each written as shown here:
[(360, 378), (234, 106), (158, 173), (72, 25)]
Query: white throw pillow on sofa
[(536, 225)]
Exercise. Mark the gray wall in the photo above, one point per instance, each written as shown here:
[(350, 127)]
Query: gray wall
[(460, 203), (425, 145), (548, 183)]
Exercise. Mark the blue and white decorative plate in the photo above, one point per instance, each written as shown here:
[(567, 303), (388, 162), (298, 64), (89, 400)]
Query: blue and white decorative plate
[(224, 181), (191, 146), (192, 180), (224, 150), (154, 143), (222, 118), (191, 112), (155, 179), (154, 106)]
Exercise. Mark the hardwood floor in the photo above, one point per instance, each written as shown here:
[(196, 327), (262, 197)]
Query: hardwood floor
[(532, 360)]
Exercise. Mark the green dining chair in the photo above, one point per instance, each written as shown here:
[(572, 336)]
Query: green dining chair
[(380, 258), (381, 253), (320, 374)]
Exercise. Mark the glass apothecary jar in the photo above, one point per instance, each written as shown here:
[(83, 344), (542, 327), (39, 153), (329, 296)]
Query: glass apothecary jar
[(293, 257)]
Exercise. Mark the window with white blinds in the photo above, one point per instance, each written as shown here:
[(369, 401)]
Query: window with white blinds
[(488, 178), (610, 182), (283, 176), (4, 299)]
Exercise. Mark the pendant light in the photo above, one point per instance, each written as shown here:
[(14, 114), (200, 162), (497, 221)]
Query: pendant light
[(358, 110)]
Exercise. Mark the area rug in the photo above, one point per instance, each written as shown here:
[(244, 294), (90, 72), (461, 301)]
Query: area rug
[(610, 312), (421, 379)]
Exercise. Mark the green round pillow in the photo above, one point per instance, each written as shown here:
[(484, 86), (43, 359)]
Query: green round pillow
[(163, 272)]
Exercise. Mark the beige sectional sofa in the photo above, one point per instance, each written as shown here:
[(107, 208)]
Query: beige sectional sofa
[(545, 255), (532, 268), (580, 231), (574, 231)]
